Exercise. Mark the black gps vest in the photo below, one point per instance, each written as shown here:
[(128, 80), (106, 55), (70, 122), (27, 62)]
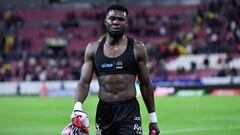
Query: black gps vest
[(123, 64)]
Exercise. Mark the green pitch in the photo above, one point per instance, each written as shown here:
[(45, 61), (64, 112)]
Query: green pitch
[(205, 115)]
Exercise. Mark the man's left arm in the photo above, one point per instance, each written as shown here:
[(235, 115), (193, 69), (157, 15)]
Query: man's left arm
[(146, 86)]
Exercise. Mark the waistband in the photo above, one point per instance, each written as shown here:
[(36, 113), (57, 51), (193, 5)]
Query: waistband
[(134, 99)]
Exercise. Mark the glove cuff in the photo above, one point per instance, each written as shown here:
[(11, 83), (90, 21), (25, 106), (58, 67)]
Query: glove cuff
[(78, 106)]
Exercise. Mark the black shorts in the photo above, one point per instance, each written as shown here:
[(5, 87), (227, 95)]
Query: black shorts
[(118, 118)]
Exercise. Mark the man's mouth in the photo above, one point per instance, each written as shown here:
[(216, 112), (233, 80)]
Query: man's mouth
[(116, 28)]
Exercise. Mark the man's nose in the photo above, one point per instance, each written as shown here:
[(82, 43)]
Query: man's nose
[(116, 21)]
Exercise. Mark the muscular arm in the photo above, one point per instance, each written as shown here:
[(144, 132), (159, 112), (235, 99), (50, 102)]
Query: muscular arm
[(146, 87), (86, 75), (143, 75)]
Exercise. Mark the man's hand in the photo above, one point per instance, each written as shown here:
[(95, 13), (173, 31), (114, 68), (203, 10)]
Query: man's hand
[(80, 119), (153, 129)]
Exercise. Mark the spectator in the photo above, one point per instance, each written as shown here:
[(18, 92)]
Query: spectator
[(206, 62)]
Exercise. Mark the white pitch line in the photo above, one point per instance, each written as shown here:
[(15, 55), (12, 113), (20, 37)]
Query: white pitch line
[(183, 130)]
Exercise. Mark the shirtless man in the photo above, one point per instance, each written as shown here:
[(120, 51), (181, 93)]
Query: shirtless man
[(117, 60)]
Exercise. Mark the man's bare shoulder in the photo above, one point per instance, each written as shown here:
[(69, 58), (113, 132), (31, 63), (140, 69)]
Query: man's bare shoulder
[(139, 50), (92, 46), (138, 45)]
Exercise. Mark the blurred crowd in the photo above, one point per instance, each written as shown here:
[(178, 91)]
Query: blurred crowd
[(211, 28)]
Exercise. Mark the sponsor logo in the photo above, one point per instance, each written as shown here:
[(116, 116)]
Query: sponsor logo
[(137, 129), (107, 65), (137, 118), (98, 130)]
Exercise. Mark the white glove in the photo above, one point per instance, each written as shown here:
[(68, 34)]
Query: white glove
[(80, 118)]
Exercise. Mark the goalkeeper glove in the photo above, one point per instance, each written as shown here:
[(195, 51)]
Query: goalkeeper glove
[(80, 118)]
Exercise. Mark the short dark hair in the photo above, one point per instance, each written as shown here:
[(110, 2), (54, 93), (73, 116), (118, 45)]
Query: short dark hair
[(117, 7)]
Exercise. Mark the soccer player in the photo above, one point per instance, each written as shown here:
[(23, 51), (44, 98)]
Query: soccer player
[(117, 59)]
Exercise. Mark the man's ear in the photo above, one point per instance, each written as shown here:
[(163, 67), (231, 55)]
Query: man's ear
[(127, 24), (105, 21)]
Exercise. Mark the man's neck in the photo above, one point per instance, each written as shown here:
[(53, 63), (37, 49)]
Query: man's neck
[(114, 40)]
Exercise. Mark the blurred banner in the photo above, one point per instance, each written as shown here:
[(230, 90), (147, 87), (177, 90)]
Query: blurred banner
[(213, 85)]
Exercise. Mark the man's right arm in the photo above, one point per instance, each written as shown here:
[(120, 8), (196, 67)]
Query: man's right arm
[(78, 116), (86, 75)]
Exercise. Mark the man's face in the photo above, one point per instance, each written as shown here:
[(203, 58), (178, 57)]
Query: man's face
[(116, 23)]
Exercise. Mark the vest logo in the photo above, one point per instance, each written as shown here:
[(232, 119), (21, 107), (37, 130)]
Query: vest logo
[(107, 65), (119, 65)]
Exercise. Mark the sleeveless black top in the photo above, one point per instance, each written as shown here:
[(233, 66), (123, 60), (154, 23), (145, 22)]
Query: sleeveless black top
[(123, 64)]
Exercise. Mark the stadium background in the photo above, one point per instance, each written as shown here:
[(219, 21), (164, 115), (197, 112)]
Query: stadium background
[(193, 48)]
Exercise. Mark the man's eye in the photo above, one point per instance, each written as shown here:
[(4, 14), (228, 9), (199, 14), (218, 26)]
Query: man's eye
[(121, 19), (112, 18)]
